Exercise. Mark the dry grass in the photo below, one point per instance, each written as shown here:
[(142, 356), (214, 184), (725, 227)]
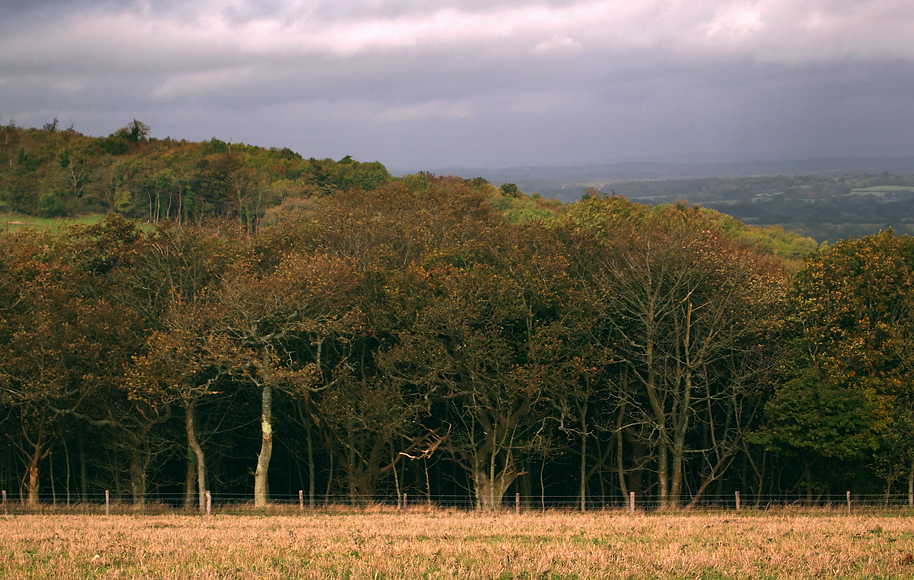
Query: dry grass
[(458, 545)]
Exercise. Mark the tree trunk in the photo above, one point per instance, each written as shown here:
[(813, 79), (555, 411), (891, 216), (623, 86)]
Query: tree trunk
[(911, 486), (33, 480), (304, 415), (663, 477), (807, 475), (261, 491), (681, 418), (329, 480), (397, 485), (66, 452), (490, 491), (660, 423), (194, 445), (620, 465), (139, 459), (190, 479), (678, 452), (428, 484), (310, 465), (83, 482), (38, 453), (584, 460)]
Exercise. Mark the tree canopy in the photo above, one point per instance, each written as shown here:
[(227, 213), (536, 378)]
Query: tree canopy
[(368, 335)]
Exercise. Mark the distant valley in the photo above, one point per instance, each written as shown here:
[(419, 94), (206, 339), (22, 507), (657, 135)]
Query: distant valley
[(826, 199)]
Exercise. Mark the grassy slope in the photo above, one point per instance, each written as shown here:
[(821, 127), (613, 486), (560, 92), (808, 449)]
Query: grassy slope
[(12, 222)]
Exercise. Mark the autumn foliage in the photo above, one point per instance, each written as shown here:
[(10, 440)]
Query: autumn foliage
[(371, 336)]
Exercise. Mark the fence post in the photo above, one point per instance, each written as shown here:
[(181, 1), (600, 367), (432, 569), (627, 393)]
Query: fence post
[(517, 503), (6, 509), (209, 503), (848, 503), (301, 501), (737, 501), (107, 503), (631, 502), (404, 503)]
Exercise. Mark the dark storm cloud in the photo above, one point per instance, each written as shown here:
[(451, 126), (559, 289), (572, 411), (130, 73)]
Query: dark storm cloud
[(430, 83)]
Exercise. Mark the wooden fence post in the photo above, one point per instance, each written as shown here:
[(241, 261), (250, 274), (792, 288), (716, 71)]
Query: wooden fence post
[(631, 502), (517, 503), (404, 503), (301, 501), (737, 501), (107, 503), (6, 509), (209, 503), (848, 503)]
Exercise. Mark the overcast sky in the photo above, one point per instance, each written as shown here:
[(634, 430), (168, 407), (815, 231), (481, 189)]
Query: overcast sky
[(420, 84)]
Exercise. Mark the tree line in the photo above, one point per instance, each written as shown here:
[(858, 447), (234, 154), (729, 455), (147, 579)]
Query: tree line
[(446, 337), (52, 172)]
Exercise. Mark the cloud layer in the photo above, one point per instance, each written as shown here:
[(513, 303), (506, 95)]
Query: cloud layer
[(426, 83)]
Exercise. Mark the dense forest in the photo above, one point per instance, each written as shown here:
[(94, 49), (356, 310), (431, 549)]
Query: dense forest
[(275, 324)]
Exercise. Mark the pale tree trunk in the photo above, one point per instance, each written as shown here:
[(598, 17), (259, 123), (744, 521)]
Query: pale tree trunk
[(489, 481), (681, 407), (39, 452), (584, 459), (680, 426), (659, 411), (266, 447), (663, 477), (663, 461), (194, 445), (32, 485), (490, 490)]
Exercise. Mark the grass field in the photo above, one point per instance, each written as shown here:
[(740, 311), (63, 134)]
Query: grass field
[(459, 545), (881, 190), (12, 222)]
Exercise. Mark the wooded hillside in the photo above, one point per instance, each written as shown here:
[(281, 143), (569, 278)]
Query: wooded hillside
[(368, 335), (51, 172)]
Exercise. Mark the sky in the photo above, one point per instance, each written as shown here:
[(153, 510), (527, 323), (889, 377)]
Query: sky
[(422, 84)]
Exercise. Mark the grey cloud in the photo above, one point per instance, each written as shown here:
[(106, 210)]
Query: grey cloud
[(553, 82)]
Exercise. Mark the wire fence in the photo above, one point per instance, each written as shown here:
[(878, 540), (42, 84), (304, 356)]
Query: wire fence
[(107, 503)]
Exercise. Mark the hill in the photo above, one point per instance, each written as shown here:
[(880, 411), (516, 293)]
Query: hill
[(50, 172), (827, 200)]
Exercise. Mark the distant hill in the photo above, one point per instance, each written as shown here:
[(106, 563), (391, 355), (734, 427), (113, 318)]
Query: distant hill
[(825, 199), (567, 183), (54, 173)]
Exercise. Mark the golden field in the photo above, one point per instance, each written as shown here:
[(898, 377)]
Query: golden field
[(459, 545)]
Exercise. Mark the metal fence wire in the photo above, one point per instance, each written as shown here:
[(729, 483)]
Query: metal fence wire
[(107, 503)]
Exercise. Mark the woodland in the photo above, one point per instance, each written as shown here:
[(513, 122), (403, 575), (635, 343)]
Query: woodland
[(251, 323)]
